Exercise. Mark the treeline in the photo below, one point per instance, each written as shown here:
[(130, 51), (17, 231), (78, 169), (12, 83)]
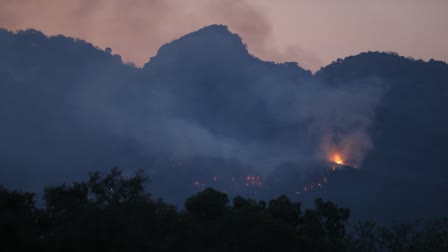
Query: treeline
[(113, 212)]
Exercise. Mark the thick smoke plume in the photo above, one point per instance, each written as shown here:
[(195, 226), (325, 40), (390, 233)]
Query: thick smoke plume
[(342, 116), (316, 119), (202, 96)]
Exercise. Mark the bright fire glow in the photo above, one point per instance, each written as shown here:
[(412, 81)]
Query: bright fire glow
[(337, 159)]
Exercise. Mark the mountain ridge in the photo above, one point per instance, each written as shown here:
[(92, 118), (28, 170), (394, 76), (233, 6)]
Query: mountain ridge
[(68, 107), (221, 31)]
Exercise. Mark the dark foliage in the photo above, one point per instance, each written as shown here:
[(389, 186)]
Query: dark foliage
[(113, 212)]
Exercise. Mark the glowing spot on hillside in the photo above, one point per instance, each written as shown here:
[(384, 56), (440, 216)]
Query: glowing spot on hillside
[(336, 158)]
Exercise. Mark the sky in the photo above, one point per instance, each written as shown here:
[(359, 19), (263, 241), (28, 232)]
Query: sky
[(311, 32)]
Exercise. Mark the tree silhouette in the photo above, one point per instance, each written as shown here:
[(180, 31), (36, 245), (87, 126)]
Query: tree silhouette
[(208, 204), (113, 212), (18, 220)]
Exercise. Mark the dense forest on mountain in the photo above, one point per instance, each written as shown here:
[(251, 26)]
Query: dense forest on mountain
[(203, 107)]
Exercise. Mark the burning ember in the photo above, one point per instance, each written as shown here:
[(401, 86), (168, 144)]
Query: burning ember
[(336, 158), (247, 181), (254, 181), (253, 184)]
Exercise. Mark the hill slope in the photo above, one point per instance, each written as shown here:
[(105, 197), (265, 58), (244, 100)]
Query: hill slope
[(205, 108)]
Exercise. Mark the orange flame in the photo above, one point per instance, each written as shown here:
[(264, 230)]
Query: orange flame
[(337, 159)]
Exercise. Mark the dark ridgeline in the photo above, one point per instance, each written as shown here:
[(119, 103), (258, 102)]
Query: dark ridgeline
[(204, 106), (112, 212), (406, 168)]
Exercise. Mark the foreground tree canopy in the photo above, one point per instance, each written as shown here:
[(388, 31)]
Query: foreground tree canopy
[(113, 212)]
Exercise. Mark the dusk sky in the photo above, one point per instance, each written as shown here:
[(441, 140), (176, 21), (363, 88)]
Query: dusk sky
[(313, 33)]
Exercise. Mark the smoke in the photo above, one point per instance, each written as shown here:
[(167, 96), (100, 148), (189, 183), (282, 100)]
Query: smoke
[(310, 119), (341, 116), (338, 117), (136, 29), (186, 105)]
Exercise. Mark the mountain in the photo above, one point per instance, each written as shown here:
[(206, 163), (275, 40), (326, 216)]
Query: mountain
[(406, 168), (46, 136), (204, 112), (410, 125)]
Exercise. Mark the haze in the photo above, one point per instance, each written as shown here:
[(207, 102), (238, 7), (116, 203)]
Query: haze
[(313, 33)]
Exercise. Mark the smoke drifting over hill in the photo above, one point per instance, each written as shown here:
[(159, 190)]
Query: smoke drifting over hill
[(203, 107), (220, 104)]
